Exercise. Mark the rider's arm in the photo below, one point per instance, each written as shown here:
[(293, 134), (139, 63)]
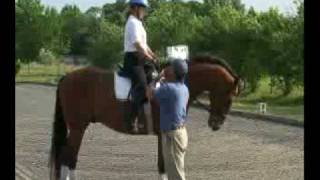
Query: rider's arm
[(142, 50), (151, 53)]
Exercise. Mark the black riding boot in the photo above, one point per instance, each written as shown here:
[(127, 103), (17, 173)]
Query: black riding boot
[(130, 118), (138, 98), (139, 81)]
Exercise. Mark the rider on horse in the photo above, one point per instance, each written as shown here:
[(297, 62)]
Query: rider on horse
[(137, 52)]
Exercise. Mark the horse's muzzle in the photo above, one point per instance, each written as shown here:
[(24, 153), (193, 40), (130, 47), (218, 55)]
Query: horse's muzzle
[(214, 126), (215, 123)]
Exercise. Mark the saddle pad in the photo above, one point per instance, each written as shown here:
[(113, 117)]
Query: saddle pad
[(122, 86)]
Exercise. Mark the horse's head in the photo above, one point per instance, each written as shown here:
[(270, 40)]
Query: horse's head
[(214, 74), (221, 102), (220, 105)]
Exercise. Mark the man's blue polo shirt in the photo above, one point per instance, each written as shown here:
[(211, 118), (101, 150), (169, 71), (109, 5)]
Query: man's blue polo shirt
[(173, 98)]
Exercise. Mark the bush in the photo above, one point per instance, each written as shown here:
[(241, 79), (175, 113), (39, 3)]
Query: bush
[(106, 50), (46, 56)]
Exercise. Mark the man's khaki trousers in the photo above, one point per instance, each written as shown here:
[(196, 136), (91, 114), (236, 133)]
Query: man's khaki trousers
[(174, 145)]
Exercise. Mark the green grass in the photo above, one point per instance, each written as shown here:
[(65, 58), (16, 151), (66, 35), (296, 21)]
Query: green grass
[(43, 73), (291, 106)]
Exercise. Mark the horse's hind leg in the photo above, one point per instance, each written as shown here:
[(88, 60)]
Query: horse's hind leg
[(69, 155)]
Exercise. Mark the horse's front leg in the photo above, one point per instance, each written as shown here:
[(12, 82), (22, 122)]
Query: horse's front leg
[(162, 172)]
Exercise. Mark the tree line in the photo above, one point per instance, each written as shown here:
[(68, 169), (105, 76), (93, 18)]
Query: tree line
[(255, 44)]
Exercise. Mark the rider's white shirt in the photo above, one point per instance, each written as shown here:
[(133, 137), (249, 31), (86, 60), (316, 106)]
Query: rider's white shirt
[(134, 32)]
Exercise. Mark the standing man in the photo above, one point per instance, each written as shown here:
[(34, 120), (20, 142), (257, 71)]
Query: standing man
[(173, 97)]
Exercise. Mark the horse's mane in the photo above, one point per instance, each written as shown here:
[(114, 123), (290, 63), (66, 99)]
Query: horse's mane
[(210, 59)]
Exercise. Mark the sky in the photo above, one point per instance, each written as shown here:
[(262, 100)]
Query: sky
[(285, 6)]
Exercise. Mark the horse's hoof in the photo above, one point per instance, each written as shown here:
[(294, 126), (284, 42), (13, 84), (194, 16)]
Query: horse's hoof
[(132, 131), (141, 126), (67, 174), (163, 177)]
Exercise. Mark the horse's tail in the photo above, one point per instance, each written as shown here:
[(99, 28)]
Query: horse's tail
[(59, 137)]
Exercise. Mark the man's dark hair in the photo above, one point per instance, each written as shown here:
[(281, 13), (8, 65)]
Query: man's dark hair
[(180, 78), (180, 69)]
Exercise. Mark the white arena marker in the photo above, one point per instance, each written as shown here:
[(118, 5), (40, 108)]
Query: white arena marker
[(262, 107)]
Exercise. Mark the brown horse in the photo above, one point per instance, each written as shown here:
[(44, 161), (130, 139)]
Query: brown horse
[(87, 96)]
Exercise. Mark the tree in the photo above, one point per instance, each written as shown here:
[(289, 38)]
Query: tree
[(94, 12), (106, 50), (115, 12), (29, 31), (70, 24), (154, 5), (289, 43), (282, 55), (209, 4), (52, 34), (169, 25)]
